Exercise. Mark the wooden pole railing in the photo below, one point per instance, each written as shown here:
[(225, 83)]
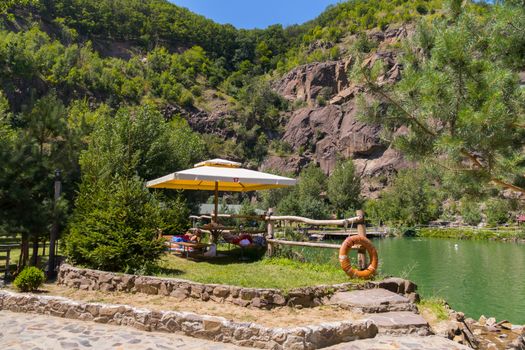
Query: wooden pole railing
[(229, 216), (359, 220), (341, 222)]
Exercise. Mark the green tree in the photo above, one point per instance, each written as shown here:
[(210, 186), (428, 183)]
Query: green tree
[(470, 211), (116, 220), (307, 197), (114, 226), (30, 153), (497, 211), (463, 106), (7, 5), (410, 200), (344, 188)]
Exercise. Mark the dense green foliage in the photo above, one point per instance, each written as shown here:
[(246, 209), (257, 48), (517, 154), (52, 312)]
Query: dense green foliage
[(351, 17), (29, 279), (72, 73), (470, 212), (344, 189), (410, 200), (459, 96), (466, 233), (117, 220), (114, 228), (305, 198)]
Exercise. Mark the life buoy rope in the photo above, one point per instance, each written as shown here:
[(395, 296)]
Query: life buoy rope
[(344, 260)]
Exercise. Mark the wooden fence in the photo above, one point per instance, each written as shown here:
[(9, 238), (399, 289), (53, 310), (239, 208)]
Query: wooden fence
[(271, 220), (8, 242)]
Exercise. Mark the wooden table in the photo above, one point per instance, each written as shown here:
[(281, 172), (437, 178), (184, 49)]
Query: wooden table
[(215, 230), (186, 246)]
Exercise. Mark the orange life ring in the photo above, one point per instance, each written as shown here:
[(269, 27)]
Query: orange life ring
[(345, 261)]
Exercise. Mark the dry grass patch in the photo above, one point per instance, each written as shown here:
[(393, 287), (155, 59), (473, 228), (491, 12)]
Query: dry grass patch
[(278, 317)]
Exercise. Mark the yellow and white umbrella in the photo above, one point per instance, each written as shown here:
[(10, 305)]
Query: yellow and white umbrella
[(220, 175)]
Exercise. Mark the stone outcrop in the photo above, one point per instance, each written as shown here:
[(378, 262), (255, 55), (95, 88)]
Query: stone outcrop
[(327, 127), (485, 333), (400, 322), (263, 298), (194, 325), (308, 81), (323, 134)]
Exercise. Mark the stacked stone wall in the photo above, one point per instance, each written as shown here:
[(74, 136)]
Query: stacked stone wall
[(263, 298), (198, 326)]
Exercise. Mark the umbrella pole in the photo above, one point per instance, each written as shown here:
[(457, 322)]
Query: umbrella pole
[(216, 202)]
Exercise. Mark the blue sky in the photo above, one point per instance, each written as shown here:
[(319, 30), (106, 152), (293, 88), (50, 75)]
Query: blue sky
[(250, 14)]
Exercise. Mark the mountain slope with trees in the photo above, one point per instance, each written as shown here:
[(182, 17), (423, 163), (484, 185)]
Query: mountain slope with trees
[(388, 84)]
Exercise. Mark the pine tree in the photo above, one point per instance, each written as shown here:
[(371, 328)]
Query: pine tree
[(461, 103)]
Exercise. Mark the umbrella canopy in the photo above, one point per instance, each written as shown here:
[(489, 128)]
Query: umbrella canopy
[(220, 175)]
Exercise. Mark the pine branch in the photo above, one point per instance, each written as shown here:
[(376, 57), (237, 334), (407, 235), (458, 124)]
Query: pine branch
[(508, 185), (376, 89)]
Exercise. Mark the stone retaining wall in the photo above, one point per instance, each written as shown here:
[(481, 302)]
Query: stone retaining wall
[(87, 279), (199, 326)]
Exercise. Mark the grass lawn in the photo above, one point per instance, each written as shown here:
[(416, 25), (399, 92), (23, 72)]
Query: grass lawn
[(281, 273), (15, 255)]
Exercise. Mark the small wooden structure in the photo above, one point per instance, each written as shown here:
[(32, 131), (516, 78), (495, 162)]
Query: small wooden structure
[(8, 242), (358, 220)]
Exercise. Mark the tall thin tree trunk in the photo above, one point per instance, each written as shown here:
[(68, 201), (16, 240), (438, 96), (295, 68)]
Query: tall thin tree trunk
[(34, 258), (24, 252)]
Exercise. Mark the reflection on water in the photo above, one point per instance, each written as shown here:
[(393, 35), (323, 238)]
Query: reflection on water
[(476, 277)]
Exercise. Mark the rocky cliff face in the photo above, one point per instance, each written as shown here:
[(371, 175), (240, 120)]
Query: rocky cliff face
[(327, 126)]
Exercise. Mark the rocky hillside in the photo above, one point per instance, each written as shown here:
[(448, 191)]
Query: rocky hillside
[(325, 126), (324, 132), (278, 98)]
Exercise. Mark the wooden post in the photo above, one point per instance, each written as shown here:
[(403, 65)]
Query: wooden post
[(7, 262), (216, 203), (54, 229), (361, 231), (269, 223), (269, 231)]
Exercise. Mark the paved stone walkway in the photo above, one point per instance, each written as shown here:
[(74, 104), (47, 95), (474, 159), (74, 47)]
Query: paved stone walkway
[(385, 342), (37, 332)]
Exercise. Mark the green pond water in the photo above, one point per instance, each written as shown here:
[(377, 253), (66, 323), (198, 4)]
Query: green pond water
[(476, 277)]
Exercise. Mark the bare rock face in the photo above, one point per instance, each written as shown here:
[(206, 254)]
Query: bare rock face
[(324, 133), (308, 81), (286, 165)]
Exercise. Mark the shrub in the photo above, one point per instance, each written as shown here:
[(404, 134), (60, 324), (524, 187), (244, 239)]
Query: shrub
[(421, 9), (114, 226), (497, 211), (470, 212), (29, 279)]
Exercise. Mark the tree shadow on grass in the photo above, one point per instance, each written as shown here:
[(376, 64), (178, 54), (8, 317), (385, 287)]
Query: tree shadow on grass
[(168, 271), (234, 257)]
